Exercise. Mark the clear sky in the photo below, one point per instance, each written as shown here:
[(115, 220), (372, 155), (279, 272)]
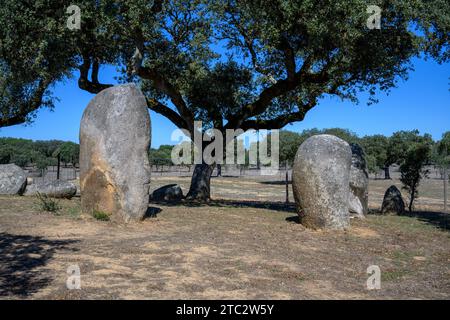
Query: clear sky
[(421, 102)]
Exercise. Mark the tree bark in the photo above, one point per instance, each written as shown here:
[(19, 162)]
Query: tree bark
[(411, 201), (387, 175), (200, 183), (219, 170)]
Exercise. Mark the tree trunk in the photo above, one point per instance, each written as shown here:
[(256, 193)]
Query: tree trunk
[(200, 183), (387, 175), (413, 191), (219, 170)]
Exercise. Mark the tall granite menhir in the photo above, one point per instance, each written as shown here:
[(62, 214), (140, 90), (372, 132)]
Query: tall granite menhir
[(320, 180), (114, 144)]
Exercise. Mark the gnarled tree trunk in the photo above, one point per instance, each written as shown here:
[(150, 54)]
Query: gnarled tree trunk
[(200, 182)]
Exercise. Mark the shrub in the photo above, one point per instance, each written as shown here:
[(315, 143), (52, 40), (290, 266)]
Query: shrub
[(100, 215), (47, 204)]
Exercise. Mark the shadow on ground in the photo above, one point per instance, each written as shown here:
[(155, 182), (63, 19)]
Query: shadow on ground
[(152, 212), (21, 259), (276, 206), (438, 219), (277, 183)]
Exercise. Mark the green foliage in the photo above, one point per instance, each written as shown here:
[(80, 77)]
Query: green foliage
[(69, 152), (401, 141), (441, 151), (100, 215), (412, 168), (371, 162), (290, 141), (235, 64), (47, 204), (23, 152), (375, 148), (161, 156)]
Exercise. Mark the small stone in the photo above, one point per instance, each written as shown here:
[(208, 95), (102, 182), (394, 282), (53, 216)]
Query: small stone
[(171, 192), (393, 201)]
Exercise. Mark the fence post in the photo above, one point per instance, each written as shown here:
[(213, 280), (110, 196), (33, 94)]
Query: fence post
[(287, 182), (445, 189), (59, 165)]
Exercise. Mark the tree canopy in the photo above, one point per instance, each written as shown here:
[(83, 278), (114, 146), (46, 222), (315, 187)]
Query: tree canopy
[(232, 64), (235, 64)]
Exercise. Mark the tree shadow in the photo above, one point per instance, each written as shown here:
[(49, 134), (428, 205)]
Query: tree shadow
[(293, 219), (21, 259), (270, 205), (152, 212), (279, 183), (440, 220)]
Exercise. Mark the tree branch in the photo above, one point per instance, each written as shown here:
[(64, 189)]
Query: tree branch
[(280, 121), (167, 88), (162, 109), (83, 81)]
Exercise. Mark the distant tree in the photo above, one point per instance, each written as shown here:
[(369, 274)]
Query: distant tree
[(23, 151), (412, 169), (400, 142), (42, 163), (69, 152), (289, 143), (372, 166), (375, 147), (5, 154), (161, 156), (443, 147), (344, 134)]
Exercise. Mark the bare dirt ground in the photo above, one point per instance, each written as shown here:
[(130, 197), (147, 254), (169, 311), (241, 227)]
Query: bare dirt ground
[(244, 244)]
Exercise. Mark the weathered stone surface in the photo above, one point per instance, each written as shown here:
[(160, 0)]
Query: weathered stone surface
[(320, 182), (54, 189), (355, 206), (393, 201), (13, 179), (114, 144), (171, 192), (359, 183)]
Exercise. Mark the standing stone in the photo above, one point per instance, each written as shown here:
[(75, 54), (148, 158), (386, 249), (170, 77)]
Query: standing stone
[(114, 144), (359, 183), (13, 179), (320, 182), (393, 201)]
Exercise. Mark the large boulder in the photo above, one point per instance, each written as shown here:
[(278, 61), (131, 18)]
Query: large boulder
[(171, 192), (393, 201), (320, 182), (54, 189), (114, 144), (13, 179), (359, 183)]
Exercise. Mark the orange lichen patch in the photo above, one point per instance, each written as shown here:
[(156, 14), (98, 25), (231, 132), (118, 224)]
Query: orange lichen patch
[(97, 189), (98, 193)]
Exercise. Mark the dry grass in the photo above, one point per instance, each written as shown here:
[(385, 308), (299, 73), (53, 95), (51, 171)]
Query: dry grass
[(248, 247)]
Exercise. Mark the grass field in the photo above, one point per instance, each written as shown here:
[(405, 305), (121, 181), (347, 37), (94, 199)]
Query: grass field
[(246, 243)]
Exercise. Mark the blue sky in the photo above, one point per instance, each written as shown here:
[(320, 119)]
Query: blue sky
[(421, 102)]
